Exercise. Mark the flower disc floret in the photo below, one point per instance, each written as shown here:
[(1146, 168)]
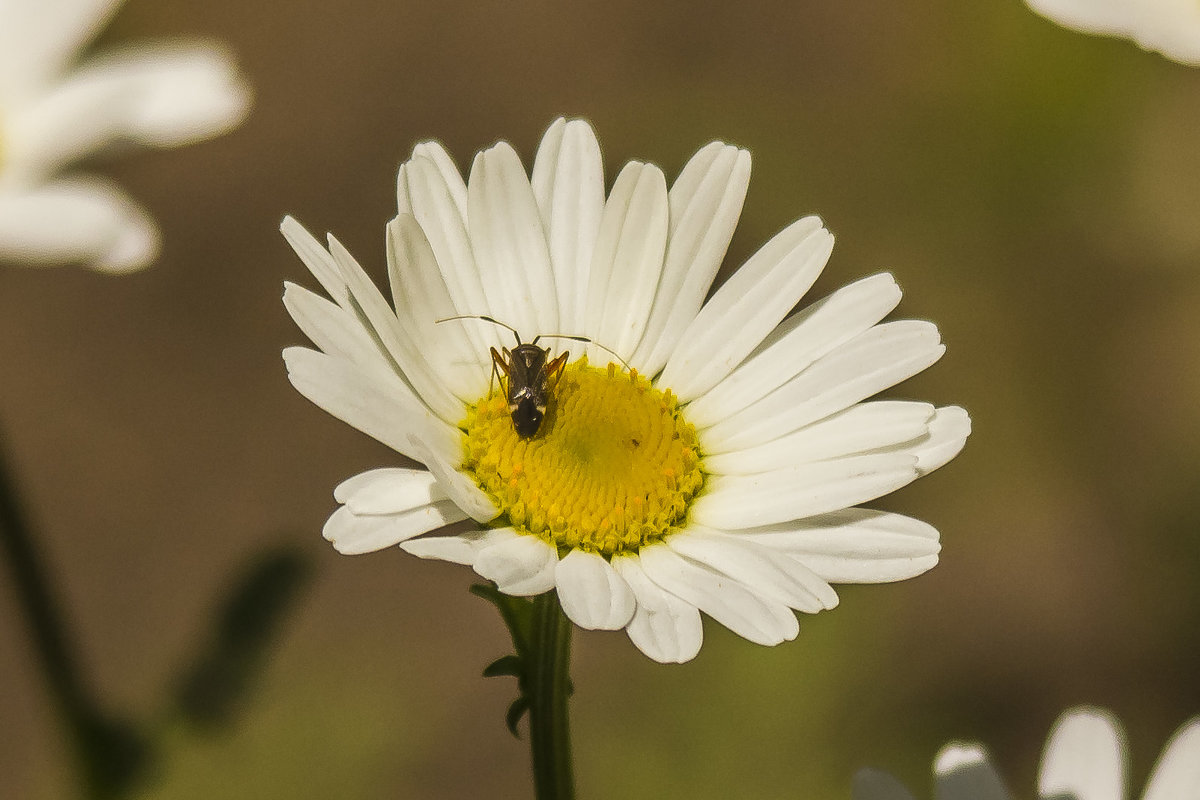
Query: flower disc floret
[(612, 469)]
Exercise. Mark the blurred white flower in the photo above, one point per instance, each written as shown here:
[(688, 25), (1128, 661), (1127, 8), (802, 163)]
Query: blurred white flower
[(1170, 27), (1085, 759), (715, 469), (54, 111)]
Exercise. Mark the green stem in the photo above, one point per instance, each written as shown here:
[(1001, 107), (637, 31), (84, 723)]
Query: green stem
[(111, 754), (549, 690)]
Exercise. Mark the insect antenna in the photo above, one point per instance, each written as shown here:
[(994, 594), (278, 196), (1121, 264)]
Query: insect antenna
[(485, 318), (583, 339), (572, 337)]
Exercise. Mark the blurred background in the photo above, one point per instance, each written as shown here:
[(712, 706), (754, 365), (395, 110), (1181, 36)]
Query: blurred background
[(1035, 191)]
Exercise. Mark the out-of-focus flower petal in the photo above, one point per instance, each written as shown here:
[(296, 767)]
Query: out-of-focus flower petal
[(81, 220)]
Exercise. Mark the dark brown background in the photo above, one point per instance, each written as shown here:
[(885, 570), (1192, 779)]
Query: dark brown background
[(1035, 192)]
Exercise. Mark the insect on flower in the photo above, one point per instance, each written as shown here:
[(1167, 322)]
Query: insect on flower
[(527, 374)]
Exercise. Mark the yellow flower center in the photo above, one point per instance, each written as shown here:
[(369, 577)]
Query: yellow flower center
[(612, 468)]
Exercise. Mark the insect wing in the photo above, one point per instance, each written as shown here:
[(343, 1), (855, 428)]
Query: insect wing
[(527, 388), (527, 417)]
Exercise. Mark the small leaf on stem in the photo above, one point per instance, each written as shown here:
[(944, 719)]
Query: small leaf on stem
[(510, 665), (517, 710)]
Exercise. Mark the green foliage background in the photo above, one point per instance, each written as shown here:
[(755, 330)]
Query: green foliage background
[(1035, 191)]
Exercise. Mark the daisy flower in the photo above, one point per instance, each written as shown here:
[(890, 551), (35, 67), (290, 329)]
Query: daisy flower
[(692, 457), (54, 112), (1085, 759), (1169, 27)]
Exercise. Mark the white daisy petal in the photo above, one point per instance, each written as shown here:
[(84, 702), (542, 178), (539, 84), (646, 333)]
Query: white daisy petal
[(38, 40), (854, 545), (375, 401), (318, 260), (403, 191), (436, 191), (421, 299), (761, 569), (352, 534), (78, 220), (706, 202), (948, 432), (747, 307), (52, 113), (592, 594), (871, 362), (447, 170), (388, 491), (1084, 758), (627, 260), (1176, 776), (964, 773), (441, 457), (732, 502), (759, 619), (959, 755), (1090, 17), (522, 567), (859, 429), (161, 95), (568, 184), (380, 320), (462, 548), (510, 243), (185, 93), (664, 627), (1169, 27), (694, 181), (798, 342), (330, 327)]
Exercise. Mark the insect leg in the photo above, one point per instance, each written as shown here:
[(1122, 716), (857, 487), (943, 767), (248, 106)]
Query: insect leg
[(555, 368), (499, 365)]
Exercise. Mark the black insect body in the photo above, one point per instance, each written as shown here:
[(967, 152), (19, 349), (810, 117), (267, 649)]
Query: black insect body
[(526, 383), (525, 374)]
